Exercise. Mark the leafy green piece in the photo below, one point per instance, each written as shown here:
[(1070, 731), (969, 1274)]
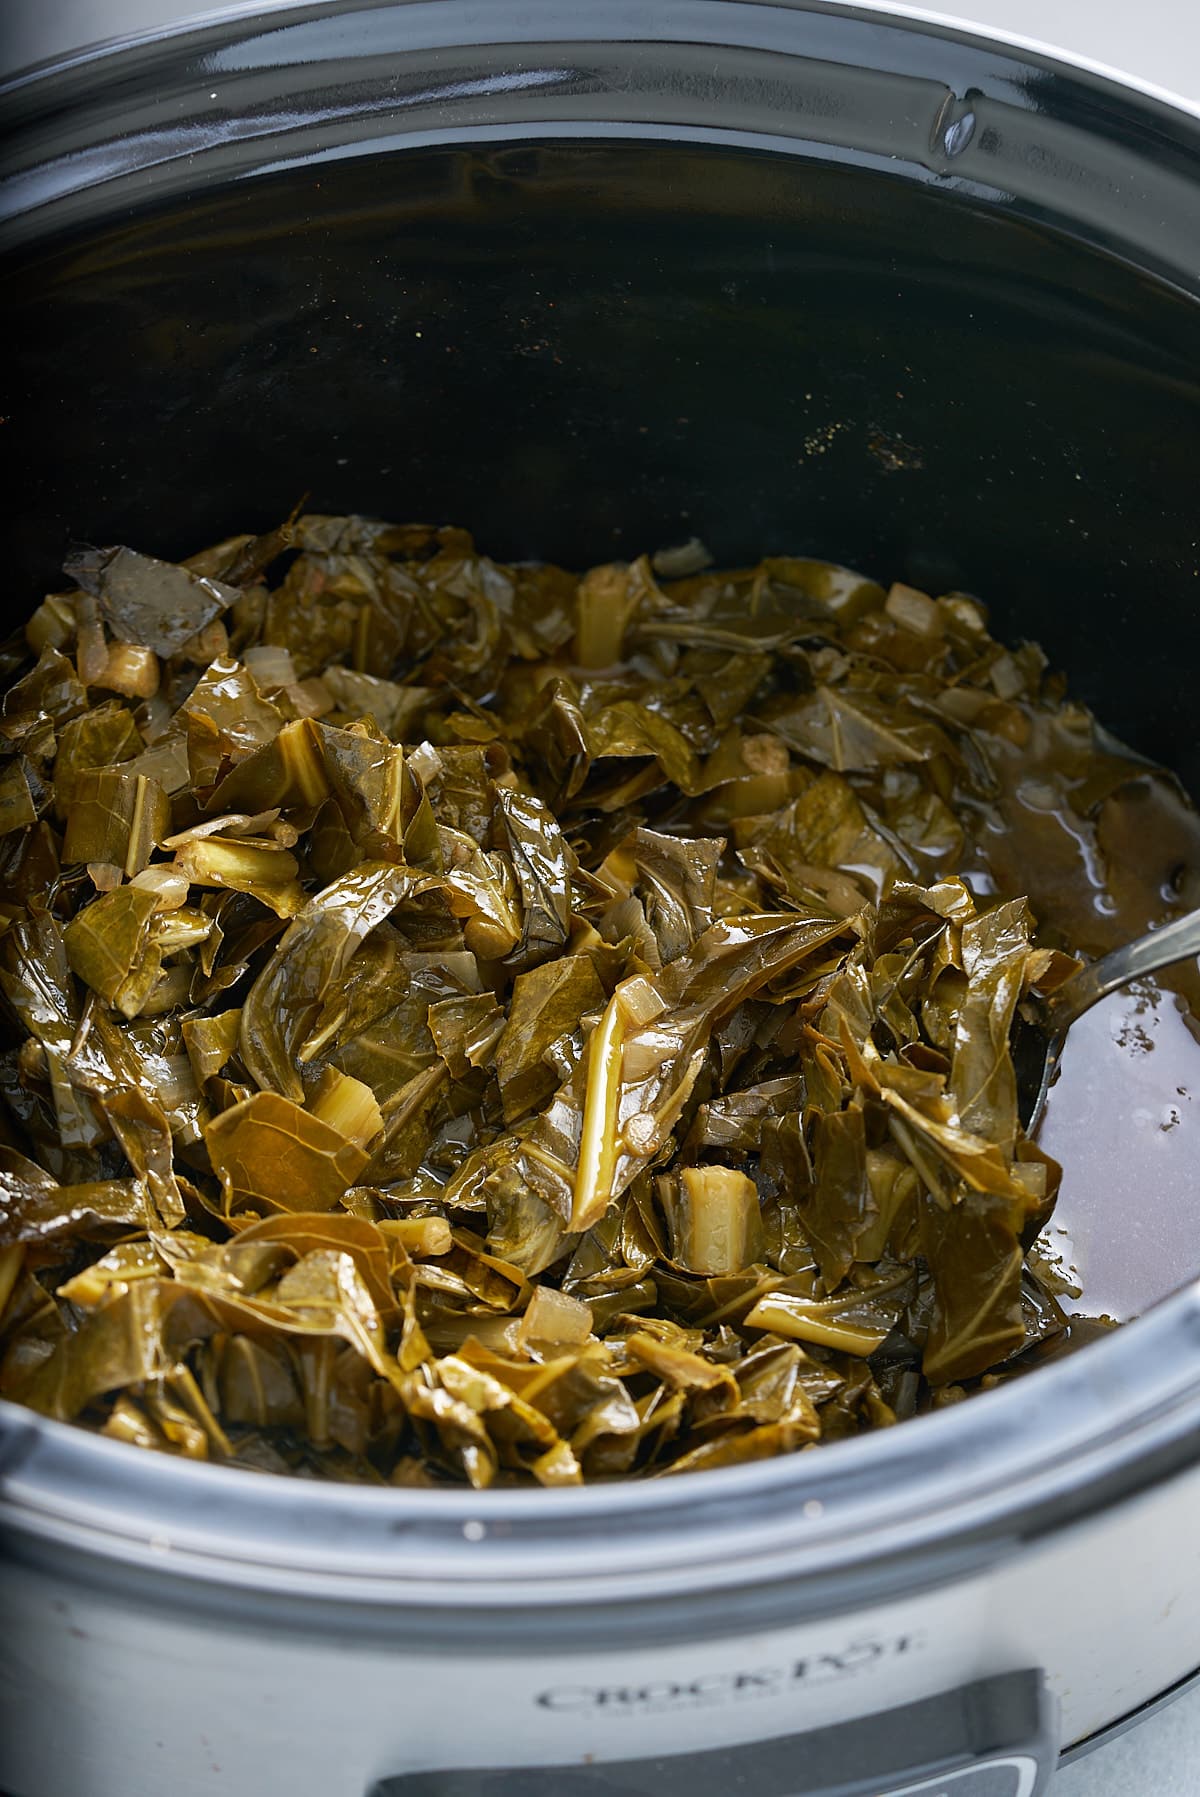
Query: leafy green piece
[(115, 817), (35, 1208), (466, 1030), (547, 1003), (857, 1319), (41, 705), (286, 767), (227, 719), (394, 708), (631, 731), (306, 969), (761, 1443), (481, 889), (147, 601), (858, 730), (840, 1209), (995, 955), (607, 600), (269, 1152), (975, 1256), (737, 1120), (263, 870), (556, 736), (826, 827), (542, 865), (22, 797), (30, 862), (108, 947), (680, 879)]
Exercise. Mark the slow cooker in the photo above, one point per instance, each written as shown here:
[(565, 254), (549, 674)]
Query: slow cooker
[(790, 276)]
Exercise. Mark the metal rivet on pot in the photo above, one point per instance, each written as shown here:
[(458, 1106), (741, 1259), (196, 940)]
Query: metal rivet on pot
[(958, 134), (474, 1531)]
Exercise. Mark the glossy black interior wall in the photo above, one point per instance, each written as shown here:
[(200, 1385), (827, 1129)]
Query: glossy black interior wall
[(584, 350)]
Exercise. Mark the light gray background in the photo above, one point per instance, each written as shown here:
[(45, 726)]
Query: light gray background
[(1156, 41)]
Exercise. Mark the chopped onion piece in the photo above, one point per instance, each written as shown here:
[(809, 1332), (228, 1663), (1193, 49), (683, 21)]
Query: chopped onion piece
[(166, 883)]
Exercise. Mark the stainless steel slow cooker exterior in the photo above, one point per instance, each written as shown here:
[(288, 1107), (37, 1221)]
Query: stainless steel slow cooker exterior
[(1000, 1581), (200, 1630)]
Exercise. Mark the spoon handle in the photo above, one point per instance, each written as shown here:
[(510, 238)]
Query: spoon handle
[(1175, 941)]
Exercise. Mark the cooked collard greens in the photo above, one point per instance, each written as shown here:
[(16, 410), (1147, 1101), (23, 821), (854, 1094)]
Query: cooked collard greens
[(473, 1022)]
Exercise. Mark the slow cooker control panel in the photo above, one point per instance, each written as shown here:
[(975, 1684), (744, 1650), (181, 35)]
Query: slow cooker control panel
[(993, 1738)]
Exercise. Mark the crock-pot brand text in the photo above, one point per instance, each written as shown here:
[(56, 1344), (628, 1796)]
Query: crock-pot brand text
[(725, 1686)]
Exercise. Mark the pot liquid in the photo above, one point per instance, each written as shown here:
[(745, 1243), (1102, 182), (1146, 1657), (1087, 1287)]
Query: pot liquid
[(1124, 1120), (1123, 1117)]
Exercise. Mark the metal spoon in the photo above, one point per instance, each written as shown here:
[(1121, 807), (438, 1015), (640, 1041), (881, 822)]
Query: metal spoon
[(1043, 1022)]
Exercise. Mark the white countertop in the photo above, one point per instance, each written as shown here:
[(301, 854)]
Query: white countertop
[(1158, 41), (1155, 41), (1158, 1758)]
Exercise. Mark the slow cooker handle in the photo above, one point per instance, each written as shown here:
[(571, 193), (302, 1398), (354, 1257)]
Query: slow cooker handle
[(996, 1737)]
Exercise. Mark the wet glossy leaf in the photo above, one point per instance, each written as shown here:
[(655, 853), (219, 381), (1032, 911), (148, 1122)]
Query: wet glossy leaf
[(547, 1004), (307, 967), (542, 865), (271, 1154), (148, 601), (108, 947)]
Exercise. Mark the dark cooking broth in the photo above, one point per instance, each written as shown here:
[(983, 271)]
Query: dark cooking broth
[(481, 1022), (1099, 842), (1124, 1120), (1124, 1116)]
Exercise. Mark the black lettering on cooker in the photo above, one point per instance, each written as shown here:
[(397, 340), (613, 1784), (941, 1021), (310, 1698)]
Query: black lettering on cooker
[(567, 1697), (813, 1668), (757, 1681)]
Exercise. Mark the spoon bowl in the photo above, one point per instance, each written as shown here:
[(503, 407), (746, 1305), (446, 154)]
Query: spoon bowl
[(1043, 1022)]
